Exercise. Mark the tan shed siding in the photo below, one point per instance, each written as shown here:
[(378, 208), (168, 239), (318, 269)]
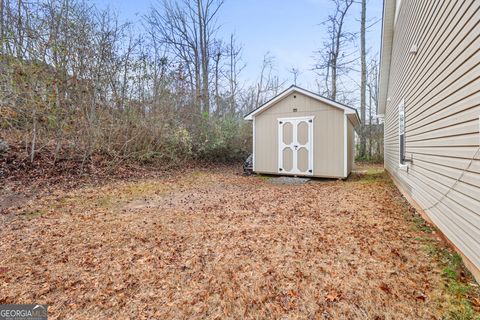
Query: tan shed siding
[(440, 86), (328, 143)]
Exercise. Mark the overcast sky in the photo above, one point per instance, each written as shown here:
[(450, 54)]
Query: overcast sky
[(289, 29)]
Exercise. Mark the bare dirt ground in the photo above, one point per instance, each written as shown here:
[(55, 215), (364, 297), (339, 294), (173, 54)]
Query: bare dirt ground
[(215, 244)]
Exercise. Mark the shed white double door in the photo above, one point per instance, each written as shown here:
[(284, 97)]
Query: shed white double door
[(295, 145)]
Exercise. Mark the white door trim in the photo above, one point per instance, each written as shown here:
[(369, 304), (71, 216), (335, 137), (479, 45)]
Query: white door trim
[(309, 145)]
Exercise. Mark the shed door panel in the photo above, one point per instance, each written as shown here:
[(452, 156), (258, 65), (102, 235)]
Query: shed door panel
[(295, 145), (287, 156), (302, 159)]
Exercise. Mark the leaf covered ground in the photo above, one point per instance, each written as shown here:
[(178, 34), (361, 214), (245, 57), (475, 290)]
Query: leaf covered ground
[(214, 244)]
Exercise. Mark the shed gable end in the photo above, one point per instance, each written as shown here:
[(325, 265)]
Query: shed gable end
[(297, 104)]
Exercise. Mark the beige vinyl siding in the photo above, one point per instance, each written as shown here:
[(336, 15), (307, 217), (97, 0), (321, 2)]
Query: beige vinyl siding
[(328, 139), (440, 86)]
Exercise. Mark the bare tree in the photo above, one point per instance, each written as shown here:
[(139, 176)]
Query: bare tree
[(235, 66), (2, 27), (374, 136), (217, 58), (363, 82), (269, 83), (77, 81), (188, 30), (295, 73), (333, 60)]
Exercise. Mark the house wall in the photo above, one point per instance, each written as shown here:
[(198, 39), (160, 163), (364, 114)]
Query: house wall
[(328, 141), (440, 87)]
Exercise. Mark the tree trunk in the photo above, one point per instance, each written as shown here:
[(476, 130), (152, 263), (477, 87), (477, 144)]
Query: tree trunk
[(217, 76), (19, 48), (33, 145), (333, 93), (202, 25), (2, 27), (363, 84), (370, 118)]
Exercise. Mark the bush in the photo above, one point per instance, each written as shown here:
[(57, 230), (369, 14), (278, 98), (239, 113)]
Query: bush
[(80, 125), (223, 139)]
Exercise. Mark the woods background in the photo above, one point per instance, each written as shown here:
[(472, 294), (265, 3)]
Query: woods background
[(77, 84)]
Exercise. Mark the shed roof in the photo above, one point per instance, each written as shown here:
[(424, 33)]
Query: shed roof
[(349, 111)]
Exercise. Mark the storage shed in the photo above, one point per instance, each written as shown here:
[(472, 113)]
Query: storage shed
[(302, 133)]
